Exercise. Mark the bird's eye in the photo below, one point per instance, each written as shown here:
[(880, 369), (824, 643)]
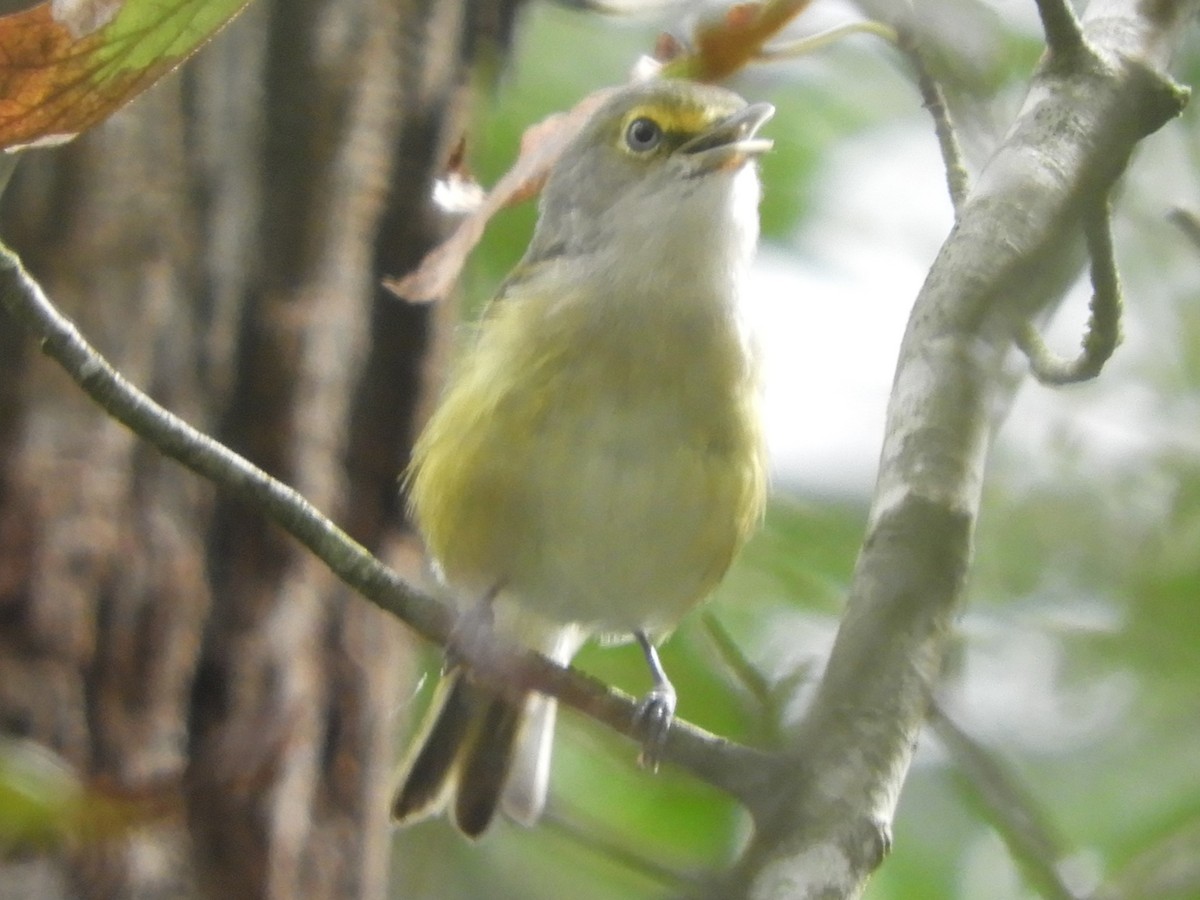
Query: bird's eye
[(643, 135)]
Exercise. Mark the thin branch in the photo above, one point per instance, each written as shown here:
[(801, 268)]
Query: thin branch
[(723, 764), (747, 675), (1170, 867), (958, 180), (1009, 806), (641, 859), (1187, 222), (1104, 323), (932, 96), (1064, 34), (61, 340), (814, 42), (733, 657), (8, 164)]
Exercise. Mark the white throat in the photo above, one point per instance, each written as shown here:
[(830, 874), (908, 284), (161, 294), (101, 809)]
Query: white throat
[(692, 247)]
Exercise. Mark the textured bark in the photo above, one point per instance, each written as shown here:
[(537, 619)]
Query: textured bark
[(1098, 92), (222, 240)]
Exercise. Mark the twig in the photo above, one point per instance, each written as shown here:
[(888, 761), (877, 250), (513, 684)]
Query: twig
[(8, 164), (932, 96), (1187, 222), (958, 180), (823, 39), (642, 860), (1104, 323), (1009, 806), (746, 673), (723, 764), (1170, 867), (1064, 34)]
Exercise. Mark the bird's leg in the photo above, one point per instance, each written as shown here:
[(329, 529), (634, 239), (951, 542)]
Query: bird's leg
[(472, 630), (657, 709)]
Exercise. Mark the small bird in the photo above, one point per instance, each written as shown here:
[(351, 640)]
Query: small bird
[(596, 460)]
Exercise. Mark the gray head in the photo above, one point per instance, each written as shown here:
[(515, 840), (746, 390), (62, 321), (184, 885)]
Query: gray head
[(654, 156)]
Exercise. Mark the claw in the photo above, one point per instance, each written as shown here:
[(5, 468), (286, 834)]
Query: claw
[(656, 712), (653, 720)]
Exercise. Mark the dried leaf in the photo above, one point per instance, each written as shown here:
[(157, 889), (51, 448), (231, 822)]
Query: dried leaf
[(67, 64), (457, 192), (667, 47), (723, 46), (541, 146)]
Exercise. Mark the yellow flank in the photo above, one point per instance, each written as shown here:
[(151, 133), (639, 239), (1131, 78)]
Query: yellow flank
[(596, 457)]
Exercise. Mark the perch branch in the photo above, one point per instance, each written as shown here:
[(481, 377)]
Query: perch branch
[(724, 764)]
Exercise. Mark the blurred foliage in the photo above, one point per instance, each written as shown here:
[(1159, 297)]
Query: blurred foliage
[(45, 805), (39, 797), (1078, 659)]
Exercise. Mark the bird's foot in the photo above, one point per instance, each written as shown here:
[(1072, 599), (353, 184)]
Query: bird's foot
[(656, 712), (653, 721)]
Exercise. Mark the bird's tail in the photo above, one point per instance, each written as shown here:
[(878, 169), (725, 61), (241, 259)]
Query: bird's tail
[(478, 751)]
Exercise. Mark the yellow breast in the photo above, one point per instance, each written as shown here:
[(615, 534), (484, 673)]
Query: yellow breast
[(601, 465)]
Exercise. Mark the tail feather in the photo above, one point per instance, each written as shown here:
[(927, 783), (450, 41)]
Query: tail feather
[(428, 773), (525, 794), (461, 758), (478, 751), (486, 764)]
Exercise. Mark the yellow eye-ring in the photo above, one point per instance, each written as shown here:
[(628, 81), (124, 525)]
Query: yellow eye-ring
[(643, 135)]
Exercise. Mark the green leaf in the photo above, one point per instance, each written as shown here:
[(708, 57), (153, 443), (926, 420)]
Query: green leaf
[(65, 67)]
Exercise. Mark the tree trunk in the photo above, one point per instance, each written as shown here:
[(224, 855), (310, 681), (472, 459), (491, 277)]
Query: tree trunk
[(222, 241)]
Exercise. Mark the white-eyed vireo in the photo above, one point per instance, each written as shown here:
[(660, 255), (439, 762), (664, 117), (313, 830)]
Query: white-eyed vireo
[(597, 460)]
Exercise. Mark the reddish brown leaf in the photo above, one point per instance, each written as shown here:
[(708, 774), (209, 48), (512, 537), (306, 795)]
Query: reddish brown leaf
[(723, 46)]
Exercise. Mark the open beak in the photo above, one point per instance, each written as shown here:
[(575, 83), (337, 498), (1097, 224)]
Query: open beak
[(730, 143)]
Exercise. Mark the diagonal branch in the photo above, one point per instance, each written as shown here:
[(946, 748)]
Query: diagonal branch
[(724, 764)]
